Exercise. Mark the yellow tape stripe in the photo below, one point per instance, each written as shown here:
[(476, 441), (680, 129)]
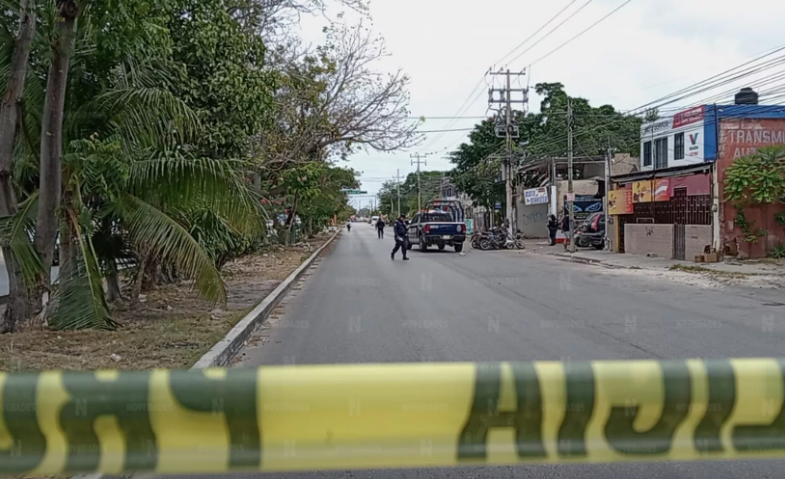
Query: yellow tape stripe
[(379, 416)]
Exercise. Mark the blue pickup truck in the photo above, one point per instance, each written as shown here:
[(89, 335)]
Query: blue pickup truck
[(436, 228)]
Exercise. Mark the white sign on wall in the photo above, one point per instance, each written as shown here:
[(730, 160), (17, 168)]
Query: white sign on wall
[(535, 196), (687, 126)]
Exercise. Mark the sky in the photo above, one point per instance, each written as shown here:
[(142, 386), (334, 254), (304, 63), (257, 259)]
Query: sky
[(647, 49)]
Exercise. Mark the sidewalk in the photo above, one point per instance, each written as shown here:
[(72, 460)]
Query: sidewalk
[(630, 261)]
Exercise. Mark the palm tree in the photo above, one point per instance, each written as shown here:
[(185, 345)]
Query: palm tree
[(128, 179)]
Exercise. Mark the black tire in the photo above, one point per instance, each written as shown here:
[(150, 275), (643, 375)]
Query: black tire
[(423, 245), (441, 247), (459, 247), (599, 246), (485, 244)]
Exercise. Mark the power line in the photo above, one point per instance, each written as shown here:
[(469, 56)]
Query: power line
[(553, 30), (581, 33), (541, 29)]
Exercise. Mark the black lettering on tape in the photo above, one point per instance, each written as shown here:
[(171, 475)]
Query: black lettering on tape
[(579, 409), (619, 430), (485, 415), (233, 396), (760, 438), (28, 446), (722, 398), (127, 399)]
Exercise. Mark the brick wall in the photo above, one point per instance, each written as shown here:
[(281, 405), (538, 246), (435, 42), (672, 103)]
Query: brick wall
[(696, 237), (649, 239)]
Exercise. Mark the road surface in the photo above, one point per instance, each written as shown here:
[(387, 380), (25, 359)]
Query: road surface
[(509, 306)]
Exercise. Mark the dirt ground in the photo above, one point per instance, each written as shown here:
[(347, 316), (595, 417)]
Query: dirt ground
[(169, 328)]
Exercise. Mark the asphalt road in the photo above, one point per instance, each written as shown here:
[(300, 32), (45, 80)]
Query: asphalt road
[(359, 307)]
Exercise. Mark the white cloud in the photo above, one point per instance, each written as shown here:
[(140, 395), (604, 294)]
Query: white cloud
[(646, 50)]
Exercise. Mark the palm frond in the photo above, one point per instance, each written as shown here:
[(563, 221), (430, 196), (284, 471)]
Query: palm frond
[(173, 180), (79, 300), (16, 232), (157, 233)]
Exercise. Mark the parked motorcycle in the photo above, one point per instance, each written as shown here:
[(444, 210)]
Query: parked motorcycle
[(496, 238)]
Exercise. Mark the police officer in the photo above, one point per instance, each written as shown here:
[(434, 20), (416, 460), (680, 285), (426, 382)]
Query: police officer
[(399, 229)]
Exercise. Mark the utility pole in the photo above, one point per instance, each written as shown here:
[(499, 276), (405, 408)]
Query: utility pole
[(418, 159), (570, 192), (608, 157), (398, 183), (510, 132)]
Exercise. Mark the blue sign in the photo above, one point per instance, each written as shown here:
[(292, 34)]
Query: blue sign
[(585, 205), (498, 205)]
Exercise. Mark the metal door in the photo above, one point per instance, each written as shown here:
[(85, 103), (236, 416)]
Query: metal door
[(679, 242)]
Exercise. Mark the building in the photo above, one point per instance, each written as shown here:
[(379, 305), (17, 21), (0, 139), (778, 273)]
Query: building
[(535, 204), (675, 206)]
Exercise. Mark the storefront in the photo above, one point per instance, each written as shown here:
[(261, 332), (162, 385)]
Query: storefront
[(667, 213)]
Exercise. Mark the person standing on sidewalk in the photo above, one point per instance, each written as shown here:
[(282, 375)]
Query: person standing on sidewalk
[(399, 229), (380, 227), (553, 226)]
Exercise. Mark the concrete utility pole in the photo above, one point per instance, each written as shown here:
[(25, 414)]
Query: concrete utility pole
[(510, 131), (609, 152), (418, 159), (398, 184), (570, 192)]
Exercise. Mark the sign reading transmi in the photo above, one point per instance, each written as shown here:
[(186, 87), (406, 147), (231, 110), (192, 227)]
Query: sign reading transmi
[(535, 196)]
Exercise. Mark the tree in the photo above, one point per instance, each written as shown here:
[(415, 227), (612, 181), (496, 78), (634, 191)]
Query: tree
[(10, 109), (753, 182), (477, 170), (128, 165), (330, 101)]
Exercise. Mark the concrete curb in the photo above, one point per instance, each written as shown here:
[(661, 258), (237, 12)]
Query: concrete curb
[(578, 259), (225, 349)]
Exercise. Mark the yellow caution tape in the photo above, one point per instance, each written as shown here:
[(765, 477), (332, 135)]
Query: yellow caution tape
[(390, 416)]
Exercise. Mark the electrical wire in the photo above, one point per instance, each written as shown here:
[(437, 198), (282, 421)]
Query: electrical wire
[(548, 34), (579, 34), (541, 29)]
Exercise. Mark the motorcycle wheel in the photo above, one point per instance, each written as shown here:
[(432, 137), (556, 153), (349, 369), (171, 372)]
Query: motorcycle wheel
[(520, 244), (485, 245), (510, 245)]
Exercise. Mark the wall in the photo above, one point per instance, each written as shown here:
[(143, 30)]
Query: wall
[(580, 187), (696, 124), (696, 239), (533, 220), (739, 138), (649, 239), (623, 164)]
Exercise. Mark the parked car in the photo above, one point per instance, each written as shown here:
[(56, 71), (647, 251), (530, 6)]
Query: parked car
[(591, 232), (436, 228)]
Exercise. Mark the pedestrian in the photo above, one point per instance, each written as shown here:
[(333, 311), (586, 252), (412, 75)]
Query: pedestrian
[(399, 229), (565, 226), (553, 226), (380, 228)]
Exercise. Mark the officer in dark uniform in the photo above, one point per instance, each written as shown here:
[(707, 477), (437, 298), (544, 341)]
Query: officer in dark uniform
[(400, 237)]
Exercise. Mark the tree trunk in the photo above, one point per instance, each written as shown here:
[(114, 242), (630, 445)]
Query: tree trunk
[(150, 274), (17, 309), (136, 286), (51, 174), (113, 290), (290, 221), (256, 182)]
